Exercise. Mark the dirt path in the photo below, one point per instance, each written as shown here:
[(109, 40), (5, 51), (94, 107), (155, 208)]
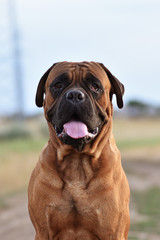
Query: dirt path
[(142, 174), (15, 223), (14, 220)]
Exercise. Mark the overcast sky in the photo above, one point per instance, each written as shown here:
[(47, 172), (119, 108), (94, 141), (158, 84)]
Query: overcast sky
[(123, 34)]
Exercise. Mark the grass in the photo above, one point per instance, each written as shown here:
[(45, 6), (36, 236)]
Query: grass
[(147, 203), (138, 143), (17, 160), (22, 145), (138, 139), (137, 130), (132, 238), (2, 203)]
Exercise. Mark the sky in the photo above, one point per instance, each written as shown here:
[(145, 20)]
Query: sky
[(123, 35)]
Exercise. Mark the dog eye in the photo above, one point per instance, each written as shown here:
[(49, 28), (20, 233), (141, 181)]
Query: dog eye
[(58, 85), (95, 87)]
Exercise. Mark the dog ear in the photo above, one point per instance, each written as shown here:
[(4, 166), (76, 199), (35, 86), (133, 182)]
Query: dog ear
[(41, 87), (118, 87)]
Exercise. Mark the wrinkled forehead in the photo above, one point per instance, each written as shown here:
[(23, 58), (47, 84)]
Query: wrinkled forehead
[(77, 71)]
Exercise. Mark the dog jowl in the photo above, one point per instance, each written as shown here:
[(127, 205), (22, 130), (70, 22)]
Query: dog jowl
[(78, 189)]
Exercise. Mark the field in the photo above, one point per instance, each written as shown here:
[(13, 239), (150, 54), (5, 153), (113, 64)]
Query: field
[(21, 143)]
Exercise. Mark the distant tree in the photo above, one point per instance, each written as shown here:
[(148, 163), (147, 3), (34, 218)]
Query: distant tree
[(137, 104)]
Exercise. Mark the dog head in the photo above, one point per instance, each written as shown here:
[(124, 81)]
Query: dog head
[(78, 100)]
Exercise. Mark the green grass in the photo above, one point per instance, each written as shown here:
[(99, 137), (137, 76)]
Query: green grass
[(18, 158), (148, 205), (138, 143), (21, 145), (148, 202), (2, 203), (132, 238)]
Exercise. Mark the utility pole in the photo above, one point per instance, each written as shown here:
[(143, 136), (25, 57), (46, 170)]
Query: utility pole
[(16, 54)]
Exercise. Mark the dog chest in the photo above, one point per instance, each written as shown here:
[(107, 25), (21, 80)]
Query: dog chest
[(81, 211)]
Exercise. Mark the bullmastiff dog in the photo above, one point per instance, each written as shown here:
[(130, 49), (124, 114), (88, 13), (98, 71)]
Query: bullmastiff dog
[(78, 189)]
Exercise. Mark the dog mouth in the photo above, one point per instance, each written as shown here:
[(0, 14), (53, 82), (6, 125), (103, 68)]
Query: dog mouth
[(76, 130)]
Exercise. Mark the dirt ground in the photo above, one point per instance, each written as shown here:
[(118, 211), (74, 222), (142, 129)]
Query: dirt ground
[(15, 223), (14, 220)]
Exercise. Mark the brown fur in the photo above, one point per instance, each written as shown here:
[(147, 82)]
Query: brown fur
[(80, 195)]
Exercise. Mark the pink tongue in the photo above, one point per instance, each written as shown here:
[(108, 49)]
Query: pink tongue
[(75, 129)]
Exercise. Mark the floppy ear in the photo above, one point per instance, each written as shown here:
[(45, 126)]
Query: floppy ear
[(118, 87), (41, 87)]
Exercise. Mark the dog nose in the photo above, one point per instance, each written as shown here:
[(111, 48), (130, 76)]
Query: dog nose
[(75, 96)]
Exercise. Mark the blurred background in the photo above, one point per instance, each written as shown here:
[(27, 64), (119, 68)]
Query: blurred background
[(125, 36)]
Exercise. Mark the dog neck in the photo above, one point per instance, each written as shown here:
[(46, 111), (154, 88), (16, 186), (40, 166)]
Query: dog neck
[(76, 167)]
